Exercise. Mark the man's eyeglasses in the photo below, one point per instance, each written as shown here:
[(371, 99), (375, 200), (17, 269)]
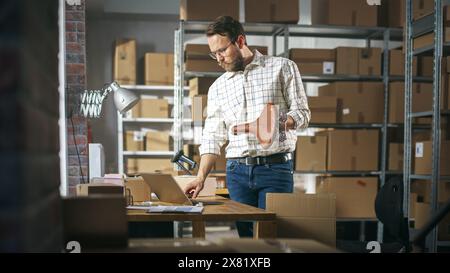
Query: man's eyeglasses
[(219, 51)]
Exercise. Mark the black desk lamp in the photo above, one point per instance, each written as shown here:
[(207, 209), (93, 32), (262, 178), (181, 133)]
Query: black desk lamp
[(180, 158)]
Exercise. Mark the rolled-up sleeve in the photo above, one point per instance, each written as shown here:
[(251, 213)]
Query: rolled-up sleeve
[(214, 133), (295, 95)]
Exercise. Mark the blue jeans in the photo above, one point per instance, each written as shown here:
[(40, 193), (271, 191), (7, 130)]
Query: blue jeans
[(249, 185)]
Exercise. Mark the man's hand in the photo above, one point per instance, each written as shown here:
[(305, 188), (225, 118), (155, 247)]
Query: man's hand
[(194, 187)]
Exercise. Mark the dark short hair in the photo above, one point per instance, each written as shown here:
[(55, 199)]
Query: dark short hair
[(226, 26)]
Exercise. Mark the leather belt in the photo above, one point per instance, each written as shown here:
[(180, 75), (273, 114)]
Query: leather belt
[(263, 160)]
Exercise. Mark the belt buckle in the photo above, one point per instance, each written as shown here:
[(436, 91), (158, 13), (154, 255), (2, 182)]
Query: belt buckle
[(247, 159)]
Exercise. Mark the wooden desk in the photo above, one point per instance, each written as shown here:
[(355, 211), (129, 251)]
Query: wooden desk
[(228, 211)]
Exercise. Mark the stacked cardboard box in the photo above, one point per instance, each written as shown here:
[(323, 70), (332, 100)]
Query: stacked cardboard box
[(159, 69), (150, 108), (125, 61), (314, 61), (272, 11), (358, 61), (355, 197), (197, 58), (199, 104), (428, 39), (134, 141), (422, 8), (396, 157), (338, 150), (311, 153), (148, 165), (157, 141), (344, 13), (423, 157), (353, 150), (397, 63), (323, 109), (311, 216), (200, 86), (200, 10), (349, 97), (396, 13)]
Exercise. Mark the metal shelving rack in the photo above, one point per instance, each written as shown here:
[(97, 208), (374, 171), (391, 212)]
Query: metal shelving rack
[(123, 122), (289, 30), (428, 24)]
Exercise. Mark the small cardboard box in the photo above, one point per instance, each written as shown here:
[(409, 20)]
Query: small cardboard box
[(272, 11), (157, 141), (201, 10), (98, 188), (125, 61), (159, 69), (311, 153), (323, 109), (355, 197), (137, 189), (396, 157), (369, 62), (397, 63), (134, 141), (347, 60), (423, 156), (199, 110), (422, 8), (353, 150), (200, 86), (344, 13), (148, 165), (307, 216), (150, 108), (349, 96)]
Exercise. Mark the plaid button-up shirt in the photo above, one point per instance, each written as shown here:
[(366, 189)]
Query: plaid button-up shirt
[(240, 97)]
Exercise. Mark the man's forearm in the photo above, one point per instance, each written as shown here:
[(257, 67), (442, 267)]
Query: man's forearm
[(206, 164)]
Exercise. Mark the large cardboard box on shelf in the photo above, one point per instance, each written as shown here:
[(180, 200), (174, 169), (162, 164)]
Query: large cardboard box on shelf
[(323, 109), (344, 13), (159, 69), (396, 13), (150, 108), (272, 11), (347, 60), (353, 150), (428, 39), (358, 61), (198, 59), (200, 86), (423, 189), (148, 165), (157, 141), (422, 8), (200, 10), (314, 61), (349, 97), (369, 62), (396, 157), (423, 215), (423, 157), (199, 104), (309, 216), (397, 63), (136, 190), (125, 61), (355, 197), (134, 141), (425, 66), (311, 153)]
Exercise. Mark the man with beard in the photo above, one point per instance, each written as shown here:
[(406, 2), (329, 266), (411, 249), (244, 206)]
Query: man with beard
[(240, 95)]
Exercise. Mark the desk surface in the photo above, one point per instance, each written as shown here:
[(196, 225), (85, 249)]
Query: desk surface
[(228, 211)]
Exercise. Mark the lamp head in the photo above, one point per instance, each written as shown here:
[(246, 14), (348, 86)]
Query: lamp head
[(124, 99)]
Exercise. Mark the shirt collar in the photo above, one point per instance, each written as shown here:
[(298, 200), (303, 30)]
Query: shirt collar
[(258, 60)]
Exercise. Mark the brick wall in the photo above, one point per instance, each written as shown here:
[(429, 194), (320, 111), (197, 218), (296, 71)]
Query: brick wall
[(75, 84), (30, 204)]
